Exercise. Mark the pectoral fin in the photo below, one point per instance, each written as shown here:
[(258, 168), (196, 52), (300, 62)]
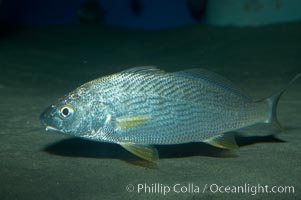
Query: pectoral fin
[(146, 152), (224, 141), (131, 121)]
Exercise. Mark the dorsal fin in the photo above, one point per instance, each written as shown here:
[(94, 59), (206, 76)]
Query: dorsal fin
[(143, 70), (212, 78)]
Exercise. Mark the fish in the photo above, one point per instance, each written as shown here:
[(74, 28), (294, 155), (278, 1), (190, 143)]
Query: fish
[(145, 106)]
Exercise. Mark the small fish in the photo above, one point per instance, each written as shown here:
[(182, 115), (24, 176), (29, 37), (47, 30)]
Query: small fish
[(144, 106)]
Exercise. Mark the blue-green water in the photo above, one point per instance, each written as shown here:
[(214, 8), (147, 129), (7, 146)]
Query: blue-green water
[(40, 65)]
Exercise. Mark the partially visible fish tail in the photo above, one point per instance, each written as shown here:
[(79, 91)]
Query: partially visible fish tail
[(272, 102)]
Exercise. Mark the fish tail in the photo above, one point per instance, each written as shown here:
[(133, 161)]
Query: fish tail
[(273, 100)]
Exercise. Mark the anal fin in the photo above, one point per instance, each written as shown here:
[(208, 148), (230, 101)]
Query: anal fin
[(146, 152), (224, 141)]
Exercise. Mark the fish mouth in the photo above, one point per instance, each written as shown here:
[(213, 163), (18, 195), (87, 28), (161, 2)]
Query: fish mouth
[(51, 128)]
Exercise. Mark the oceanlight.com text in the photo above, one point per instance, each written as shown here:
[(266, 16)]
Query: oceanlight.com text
[(165, 189)]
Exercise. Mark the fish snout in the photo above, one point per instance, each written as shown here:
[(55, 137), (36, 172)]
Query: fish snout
[(49, 119), (44, 116)]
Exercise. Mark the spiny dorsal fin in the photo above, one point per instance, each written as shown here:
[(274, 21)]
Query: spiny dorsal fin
[(146, 152), (213, 78), (131, 121), (224, 141), (143, 70)]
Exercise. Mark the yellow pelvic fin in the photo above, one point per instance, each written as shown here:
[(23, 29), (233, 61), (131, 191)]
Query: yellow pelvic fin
[(224, 141), (146, 152), (131, 121)]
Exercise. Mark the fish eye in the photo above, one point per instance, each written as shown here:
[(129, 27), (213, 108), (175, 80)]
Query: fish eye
[(66, 111)]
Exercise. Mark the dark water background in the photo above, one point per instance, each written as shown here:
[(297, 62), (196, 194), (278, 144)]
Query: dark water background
[(39, 65)]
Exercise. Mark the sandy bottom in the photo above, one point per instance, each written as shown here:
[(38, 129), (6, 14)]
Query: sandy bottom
[(40, 65)]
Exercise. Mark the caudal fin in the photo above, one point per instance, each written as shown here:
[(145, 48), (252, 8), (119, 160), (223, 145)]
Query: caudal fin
[(273, 102)]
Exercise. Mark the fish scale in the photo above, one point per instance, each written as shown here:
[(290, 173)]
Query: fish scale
[(171, 87)]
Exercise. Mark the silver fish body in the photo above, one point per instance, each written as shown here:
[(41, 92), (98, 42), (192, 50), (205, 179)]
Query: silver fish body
[(178, 109), (148, 106)]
